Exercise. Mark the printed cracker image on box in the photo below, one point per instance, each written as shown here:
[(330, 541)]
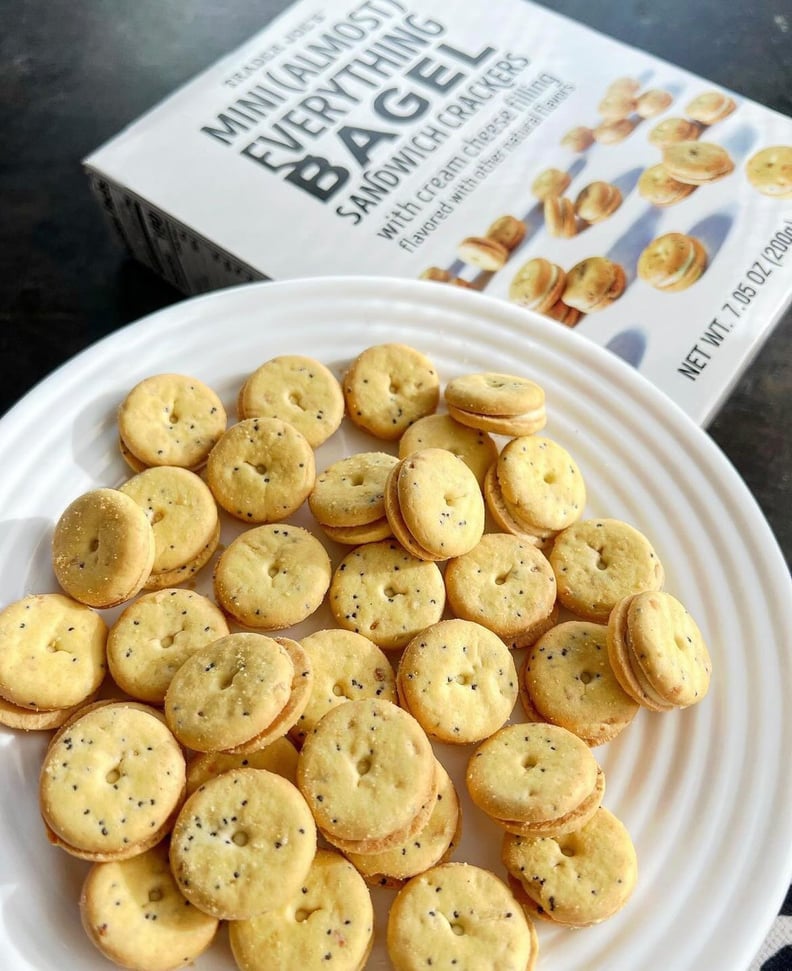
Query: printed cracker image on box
[(507, 154)]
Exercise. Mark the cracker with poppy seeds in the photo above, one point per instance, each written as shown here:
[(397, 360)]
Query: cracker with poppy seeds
[(576, 879), (296, 389), (367, 771), (475, 447), (431, 845), (103, 548), (272, 576), (506, 585), (183, 516), (229, 691), (329, 920), (170, 419), (111, 782), (261, 470), (53, 652), (535, 775), (598, 562), (279, 757), (346, 667), (382, 591), (241, 843), (459, 681), (567, 679), (457, 914), (155, 634), (388, 387), (134, 913)]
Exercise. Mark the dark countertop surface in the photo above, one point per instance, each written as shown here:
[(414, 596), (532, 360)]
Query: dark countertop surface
[(74, 74)]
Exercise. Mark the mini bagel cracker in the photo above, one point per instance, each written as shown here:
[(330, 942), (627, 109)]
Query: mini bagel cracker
[(476, 448), (594, 284), (367, 771), (261, 470), (541, 483), (102, 548), (431, 845), (654, 636), (696, 162), (350, 492), (770, 171), (155, 635), (484, 252), (229, 691), (459, 914), (329, 919), (296, 389), (279, 757), (171, 419), (346, 667), (272, 577), (111, 782), (710, 107), (383, 592), (53, 652), (388, 387), (569, 681), (597, 562), (550, 182), (658, 187), (458, 679), (579, 878), (672, 262), (242, 842), (134, 913), (532, 773), (183, 515), (440, 501), (504, 584)]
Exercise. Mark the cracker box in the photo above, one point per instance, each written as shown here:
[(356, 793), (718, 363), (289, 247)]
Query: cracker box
[(520, 154)]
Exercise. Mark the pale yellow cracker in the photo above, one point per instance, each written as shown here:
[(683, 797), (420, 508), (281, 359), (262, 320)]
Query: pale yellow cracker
[(569, 681), (171, 419), (272, 577), (577, 879), (350, 492), (441, 502), (279, 757), (134, 913), (505, 584), (228, 692), (459, 681), (155, 635), (388, 387), (476, 448), (52, 652), (460, 915), (541, 482), (182, 513), (111, 781), (328, 922), (367, 771), (242, 843), (301, 686), (428, 847), (296, 389), (597, 562), (261, 470), (102, 548), (531, 773), (383, 592), (346, 667)]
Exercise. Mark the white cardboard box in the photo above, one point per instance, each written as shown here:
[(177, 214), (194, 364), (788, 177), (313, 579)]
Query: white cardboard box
[(372, 137)]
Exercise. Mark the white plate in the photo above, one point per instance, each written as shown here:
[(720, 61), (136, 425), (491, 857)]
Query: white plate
[(706, 793)]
